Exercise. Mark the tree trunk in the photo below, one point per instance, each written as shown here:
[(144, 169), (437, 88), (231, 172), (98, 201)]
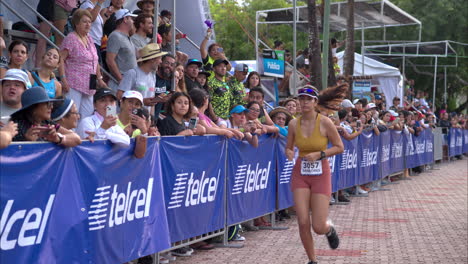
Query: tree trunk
[(348, 62), (331, 69), (314, 46)]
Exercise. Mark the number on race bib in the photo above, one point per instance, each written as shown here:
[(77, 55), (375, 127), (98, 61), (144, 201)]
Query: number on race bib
[(311, 168)]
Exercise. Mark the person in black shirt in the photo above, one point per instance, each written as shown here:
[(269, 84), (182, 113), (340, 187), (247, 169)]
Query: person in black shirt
[(191, 73), (178, 110)]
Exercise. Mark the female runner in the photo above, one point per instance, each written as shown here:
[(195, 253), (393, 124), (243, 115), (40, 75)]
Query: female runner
[(311, 176)]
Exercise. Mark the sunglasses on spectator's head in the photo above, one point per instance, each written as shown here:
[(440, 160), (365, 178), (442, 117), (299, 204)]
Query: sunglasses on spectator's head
[(308, 92)]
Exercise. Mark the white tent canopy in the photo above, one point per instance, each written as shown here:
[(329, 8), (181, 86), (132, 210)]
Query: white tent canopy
[(388, 77)]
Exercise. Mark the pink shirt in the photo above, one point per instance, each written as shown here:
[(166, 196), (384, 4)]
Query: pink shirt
[(204, 117), (80, 63)]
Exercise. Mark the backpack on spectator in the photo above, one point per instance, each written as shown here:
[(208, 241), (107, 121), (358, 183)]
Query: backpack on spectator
[(69, 26)]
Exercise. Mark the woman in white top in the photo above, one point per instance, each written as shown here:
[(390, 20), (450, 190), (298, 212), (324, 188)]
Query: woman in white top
[(98, 18)]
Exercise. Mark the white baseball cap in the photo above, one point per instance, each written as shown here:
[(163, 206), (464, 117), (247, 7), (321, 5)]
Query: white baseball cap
[(347, 103), (133, 94), (370, 105), (121, 13), (393, 113), (16, 75)]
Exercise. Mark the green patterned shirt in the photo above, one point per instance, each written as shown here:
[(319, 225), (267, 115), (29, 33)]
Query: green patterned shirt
[(238, 92), (221, 97)]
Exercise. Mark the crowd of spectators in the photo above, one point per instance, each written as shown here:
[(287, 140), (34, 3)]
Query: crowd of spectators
[(155, 92)]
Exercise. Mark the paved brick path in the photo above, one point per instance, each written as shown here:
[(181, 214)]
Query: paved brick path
[(420, 221)]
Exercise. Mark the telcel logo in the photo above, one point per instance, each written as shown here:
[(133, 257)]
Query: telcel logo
[(195, 191), (385, 153), (397, 150), (34, 223), (250, 180), (124, 206), (349, 160), (368, 158)]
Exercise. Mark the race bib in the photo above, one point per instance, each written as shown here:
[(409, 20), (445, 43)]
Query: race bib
[(311, 168)]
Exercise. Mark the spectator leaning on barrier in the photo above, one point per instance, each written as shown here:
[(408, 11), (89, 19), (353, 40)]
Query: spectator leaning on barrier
[(34, 120), (18, 52), (44, 77), (103, 123), (200, 99), (257, 95), (255, 114), (13, 86), (236, 84), (144, 27), (7, 133), (281, 118), (178, 111), (79, 70), (121, 53), (131, 118), (192, 68), (238, 122), (142, 77), (65, 113)]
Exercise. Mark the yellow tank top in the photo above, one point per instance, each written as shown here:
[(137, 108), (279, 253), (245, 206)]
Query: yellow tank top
[(316, 142)]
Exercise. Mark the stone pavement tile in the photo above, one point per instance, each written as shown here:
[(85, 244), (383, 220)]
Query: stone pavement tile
[(420, 221)]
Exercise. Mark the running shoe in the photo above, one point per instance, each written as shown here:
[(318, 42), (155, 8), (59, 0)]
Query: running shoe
[(332, 237)]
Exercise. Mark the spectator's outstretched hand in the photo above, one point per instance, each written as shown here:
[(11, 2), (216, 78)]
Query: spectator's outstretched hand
[(109, 121), (91, 135)]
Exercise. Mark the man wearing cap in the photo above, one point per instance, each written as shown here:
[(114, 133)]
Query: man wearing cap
[(347, 105), (100, 125), (145, 7), (13, 86), (220, 92), (142, 77), (121, 53), (191, 73), (236, 83), (144, 27)]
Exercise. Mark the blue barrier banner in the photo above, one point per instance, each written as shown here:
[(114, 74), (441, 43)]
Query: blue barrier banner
[(455, 141), (385, 153), (397, 159), (429, 151), (369, 157), (251, 179), (285, 197), (94, 203), (465, 140), (194, 173), (347, 168)]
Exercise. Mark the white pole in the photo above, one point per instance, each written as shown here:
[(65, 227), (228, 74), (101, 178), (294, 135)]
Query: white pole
[(434, 91), (362, 49), (445, 85), (294, 48)]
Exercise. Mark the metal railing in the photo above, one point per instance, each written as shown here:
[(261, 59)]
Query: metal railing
[(51, 26)]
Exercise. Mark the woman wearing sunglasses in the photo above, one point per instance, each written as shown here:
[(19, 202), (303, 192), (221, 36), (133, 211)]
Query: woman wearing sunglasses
[(311, 177), (34, 120)]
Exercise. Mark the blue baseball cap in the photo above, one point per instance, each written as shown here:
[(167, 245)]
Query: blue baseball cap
[(238, 109), (194, 61)]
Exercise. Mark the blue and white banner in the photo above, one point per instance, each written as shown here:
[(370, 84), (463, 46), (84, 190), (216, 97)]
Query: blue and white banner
[(285, 167), (455, 137), (94, 203), (251, 179), (419, 149), (194, 172), (429, 151), (347, 167), (369, 158), (465, 140), (385, 153), (397, 158)]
